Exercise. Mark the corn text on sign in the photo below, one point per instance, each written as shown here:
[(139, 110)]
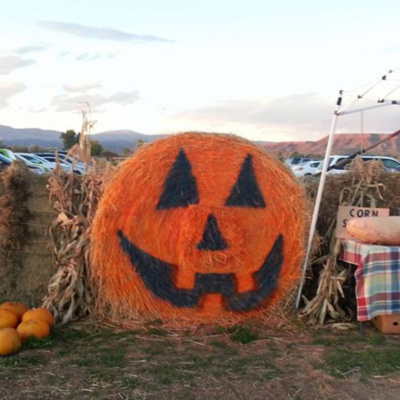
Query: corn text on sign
[(346, 213)]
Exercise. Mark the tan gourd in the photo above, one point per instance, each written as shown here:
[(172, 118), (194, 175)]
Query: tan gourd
[(377, 230)]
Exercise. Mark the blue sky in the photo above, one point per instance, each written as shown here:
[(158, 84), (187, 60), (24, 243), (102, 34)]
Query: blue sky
[(261, 69)]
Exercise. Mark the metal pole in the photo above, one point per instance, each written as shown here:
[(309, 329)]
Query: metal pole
[(318, 199), (362, 130)]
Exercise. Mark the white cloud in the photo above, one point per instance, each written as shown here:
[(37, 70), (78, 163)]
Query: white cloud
[(96, 100), (29, 49), (11, 63), (82, 87), (93, 56), (8, 91), (101, 33)]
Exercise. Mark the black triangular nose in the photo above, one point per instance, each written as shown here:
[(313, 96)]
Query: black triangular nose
[(212, 237)]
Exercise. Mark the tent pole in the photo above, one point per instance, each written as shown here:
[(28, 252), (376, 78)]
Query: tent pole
[(318, 199)]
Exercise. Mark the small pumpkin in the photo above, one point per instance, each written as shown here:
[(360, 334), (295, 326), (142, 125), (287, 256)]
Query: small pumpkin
[(10, 341), (40, 313), (15, 307), (8, 319), (37, 328)]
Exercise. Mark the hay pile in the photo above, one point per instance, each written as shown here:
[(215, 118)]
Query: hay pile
[(14, 213), (185, 225), (26, 262)]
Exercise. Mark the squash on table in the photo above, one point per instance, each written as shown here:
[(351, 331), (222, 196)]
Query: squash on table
[(378, 230)]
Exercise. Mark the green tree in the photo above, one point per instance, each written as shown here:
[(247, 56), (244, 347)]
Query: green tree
[(96, 148), (69, 138), (19, 149), (139, 143), (33, 148), (126, 151)]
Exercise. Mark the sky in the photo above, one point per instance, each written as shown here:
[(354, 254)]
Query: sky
[(265, 70)]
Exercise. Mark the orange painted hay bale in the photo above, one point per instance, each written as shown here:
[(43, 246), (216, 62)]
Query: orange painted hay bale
[(197, 227)]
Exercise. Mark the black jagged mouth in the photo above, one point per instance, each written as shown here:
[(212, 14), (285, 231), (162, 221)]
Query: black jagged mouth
[(157, 275)]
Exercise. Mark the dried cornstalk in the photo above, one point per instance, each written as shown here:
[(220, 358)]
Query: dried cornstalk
[(363, 191), (75, 198)]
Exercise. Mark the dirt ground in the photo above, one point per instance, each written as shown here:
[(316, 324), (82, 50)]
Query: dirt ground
[(244, 362)]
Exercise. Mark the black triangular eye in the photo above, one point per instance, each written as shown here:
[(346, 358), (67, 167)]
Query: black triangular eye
[(245, 192), (180, 187)]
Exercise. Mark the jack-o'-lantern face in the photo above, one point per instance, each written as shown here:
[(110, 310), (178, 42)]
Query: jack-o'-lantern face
[(198, 224)]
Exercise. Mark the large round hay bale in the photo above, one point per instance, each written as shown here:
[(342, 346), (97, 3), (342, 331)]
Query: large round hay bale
[(198, 227)]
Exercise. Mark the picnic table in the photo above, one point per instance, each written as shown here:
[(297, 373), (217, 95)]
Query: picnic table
[(377, 277)]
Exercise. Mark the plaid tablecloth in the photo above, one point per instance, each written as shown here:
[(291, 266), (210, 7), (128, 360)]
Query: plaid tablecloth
[(377, 278)]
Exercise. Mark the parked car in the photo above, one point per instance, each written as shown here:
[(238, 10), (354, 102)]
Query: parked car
[(390, 163), (5, 162), (35, 167), (33, 158), (308, 168), (79, 167), (293, 162)]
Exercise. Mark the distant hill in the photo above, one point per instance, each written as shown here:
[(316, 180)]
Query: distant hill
[(117, 140), (112, 140), (30, 136), (344, 143)]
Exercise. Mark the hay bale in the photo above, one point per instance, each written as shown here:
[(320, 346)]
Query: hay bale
[(26, 261), (197, 227)]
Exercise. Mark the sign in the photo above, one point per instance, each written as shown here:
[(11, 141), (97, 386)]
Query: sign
[(346, 213)]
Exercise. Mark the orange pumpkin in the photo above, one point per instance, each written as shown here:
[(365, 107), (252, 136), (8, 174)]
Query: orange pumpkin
[(39, 314), (37, 328), (15, 307), (10, 341), (8, 319), (198, 226)]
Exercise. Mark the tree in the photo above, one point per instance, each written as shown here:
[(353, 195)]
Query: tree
[(33, 148), (126, 151), (139, 143), (96, 148), (69, 138), (19, 149)]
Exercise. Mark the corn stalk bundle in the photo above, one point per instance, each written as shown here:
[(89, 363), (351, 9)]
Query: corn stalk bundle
[(363, 189), (75, 198)]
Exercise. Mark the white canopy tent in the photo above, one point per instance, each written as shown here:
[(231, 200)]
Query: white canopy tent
[(379, 93)]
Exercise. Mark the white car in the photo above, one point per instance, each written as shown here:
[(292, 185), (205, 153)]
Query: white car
[(390, 163), (294, 162), (308, 168), (79, 167), (33, 158)]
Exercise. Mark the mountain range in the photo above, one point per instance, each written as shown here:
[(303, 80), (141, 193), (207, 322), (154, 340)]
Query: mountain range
[(117, 140), (344, 143)]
